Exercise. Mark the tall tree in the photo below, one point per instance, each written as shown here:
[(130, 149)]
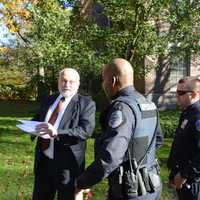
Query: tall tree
[(184, 32), (42, 27), (86, 37), (135, 29)]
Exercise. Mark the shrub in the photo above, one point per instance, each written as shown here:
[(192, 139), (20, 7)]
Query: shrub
[(169, 121), (100, 99), (12, 92)]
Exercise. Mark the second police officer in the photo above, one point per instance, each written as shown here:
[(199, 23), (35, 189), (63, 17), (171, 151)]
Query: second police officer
[(184, 158), (130, 134)]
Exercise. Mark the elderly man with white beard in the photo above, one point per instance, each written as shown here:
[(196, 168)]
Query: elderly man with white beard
[(69, 119)]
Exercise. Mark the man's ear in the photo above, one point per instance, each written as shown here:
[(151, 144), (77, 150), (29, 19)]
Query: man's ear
[(115, 80)]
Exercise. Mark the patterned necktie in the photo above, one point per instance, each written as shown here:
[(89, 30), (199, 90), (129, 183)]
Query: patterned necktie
[(44, 143)]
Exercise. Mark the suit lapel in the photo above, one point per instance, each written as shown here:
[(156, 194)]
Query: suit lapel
[(70, 111)]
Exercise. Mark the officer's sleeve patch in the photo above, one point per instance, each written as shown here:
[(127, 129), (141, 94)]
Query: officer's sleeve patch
[(116, 119), (197, 124)]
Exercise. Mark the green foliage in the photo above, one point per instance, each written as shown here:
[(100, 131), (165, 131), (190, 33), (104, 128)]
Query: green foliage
[(100, 99), (185, 21), (12, 75), (53, 47), (46, 45), (61, 37), (13, 80), (49, 36), (136, 29), (169, 122), (12, 92), (58, 37)]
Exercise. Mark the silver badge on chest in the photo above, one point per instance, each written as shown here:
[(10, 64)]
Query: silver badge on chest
[(184, 123)]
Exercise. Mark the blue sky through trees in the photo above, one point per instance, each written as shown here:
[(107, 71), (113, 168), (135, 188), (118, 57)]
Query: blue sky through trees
[(6, 38)]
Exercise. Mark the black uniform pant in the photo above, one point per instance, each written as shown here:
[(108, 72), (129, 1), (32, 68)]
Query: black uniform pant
[(49, 180), (190, 191), (149, 196)]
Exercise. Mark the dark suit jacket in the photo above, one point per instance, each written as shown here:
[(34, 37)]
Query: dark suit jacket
[(75, 127)]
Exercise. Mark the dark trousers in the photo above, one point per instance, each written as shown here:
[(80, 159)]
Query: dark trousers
[(190, 191), (149, 196), (49, 180)]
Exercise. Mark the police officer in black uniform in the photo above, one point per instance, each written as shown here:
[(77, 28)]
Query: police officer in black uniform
[(125, 152), (184, 159)]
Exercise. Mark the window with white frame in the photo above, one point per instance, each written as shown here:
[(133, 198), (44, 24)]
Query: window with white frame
[(179, 67)]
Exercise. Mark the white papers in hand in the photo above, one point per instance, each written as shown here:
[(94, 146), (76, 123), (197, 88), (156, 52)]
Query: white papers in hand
[(30, 127)]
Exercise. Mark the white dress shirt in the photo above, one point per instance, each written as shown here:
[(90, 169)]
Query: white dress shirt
[(50, 151)]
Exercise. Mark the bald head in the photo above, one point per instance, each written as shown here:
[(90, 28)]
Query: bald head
[(121, 69), (117, 75)]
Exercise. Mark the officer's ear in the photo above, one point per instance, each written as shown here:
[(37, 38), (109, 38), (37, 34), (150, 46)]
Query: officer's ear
[(115, 80)]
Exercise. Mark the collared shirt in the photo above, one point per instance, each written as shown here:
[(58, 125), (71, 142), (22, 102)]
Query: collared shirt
[(50, 151)]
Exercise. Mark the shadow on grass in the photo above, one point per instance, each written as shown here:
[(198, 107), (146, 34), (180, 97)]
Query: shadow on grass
[(19, 144), (8, 121), (6, 131), (9, 130), (8, 126), (18, 108)]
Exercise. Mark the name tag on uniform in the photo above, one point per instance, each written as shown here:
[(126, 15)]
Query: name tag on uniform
[(184, 123)]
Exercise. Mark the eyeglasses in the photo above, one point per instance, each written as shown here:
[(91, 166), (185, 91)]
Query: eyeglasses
[(182, 92)]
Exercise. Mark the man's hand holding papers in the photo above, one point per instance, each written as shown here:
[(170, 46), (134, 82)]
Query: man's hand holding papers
[(33, 128), (46, 128)]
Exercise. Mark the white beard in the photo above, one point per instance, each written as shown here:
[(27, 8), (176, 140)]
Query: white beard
[(68, 93)]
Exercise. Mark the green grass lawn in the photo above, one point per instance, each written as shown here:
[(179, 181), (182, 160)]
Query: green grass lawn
[(17, 154)]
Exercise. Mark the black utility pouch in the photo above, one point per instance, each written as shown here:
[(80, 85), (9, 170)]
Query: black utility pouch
[(130, 185)]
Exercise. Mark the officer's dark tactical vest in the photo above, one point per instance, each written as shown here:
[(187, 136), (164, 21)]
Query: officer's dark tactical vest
[(146, 122)]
